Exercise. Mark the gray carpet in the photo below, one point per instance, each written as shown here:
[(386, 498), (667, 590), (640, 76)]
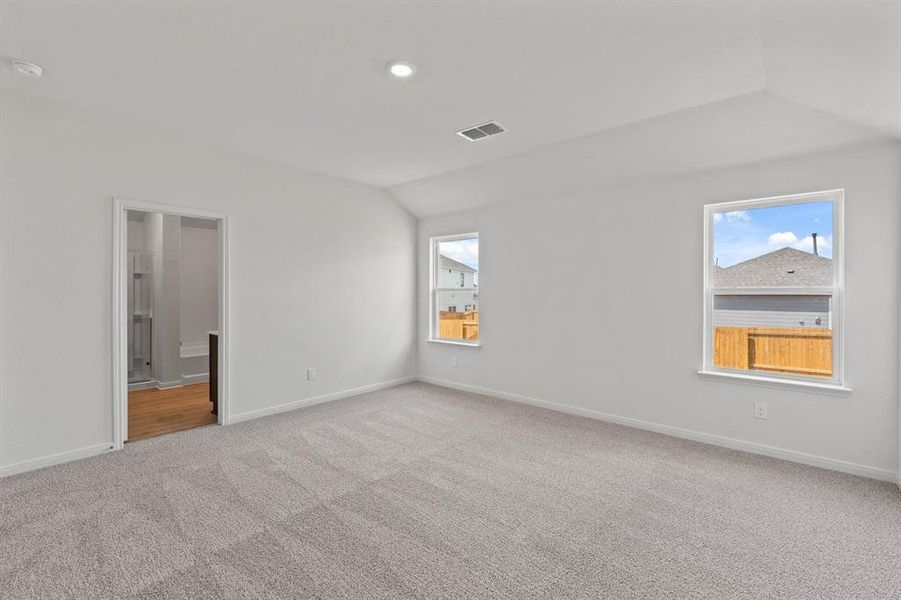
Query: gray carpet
[(423, 492)]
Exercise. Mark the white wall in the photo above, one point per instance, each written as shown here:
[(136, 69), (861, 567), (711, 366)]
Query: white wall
[(619, 328), (162, 236), (198, 281), (135, 233), (309, 255)]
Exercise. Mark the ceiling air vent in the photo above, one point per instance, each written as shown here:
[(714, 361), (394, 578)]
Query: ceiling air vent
[(482, 131)]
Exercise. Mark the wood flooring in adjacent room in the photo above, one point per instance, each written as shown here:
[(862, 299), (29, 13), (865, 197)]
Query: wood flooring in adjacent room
[(153, 412)]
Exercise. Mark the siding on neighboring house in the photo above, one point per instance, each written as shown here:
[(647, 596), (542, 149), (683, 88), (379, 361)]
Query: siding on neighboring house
[(460, 300), (786, 267), (772, 311), (465, 295)]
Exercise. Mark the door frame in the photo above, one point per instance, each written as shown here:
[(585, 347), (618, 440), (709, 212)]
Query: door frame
[(120, 306)]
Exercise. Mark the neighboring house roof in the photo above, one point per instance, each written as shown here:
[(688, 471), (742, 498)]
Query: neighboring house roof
[(449, 263), (783, 268)]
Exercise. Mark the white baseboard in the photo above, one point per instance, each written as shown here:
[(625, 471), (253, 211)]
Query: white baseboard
[(54, 459), (688, 434), (168, 385), (272, 410), (751, 447), (143, 385), (164, 385)]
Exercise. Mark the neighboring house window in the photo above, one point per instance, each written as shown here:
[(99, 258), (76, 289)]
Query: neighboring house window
[(773, 287), (455, 282)]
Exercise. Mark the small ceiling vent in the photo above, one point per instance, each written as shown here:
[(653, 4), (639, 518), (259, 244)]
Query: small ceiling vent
[(482, 131)]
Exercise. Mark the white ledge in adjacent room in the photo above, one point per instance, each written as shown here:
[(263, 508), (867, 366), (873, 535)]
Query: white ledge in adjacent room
[(810, 386), (193, 349), (455, 343)]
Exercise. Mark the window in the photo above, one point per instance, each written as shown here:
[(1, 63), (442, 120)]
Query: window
[(455, 282), (773, 287)]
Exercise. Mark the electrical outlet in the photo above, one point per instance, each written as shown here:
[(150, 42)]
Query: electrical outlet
[(311, 373), (760, 409), (454, 362)]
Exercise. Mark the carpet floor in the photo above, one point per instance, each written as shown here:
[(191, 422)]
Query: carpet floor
[(423, 492)]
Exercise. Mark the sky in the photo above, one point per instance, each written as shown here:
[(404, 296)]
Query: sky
[(745, 234), (464, 251)]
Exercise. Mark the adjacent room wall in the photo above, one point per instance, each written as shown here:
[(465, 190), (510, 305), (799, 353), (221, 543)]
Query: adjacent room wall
[(198, 281), (198, 288), (162, 236), (310, 256), (135, 237), (593, 301)]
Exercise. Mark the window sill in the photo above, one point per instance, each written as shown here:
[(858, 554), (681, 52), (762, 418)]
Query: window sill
[(455, 343), (809, 386)]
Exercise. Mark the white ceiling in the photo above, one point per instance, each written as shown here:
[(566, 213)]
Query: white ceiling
[(746, 129), (304, 83)]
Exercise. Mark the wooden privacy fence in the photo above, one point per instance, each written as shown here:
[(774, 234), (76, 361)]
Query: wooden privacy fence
[(777, 349), (459, 325)]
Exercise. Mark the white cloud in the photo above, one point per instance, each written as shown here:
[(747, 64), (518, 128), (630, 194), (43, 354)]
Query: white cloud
[(737, 215), (788, 239), (824, 245), (732, 217), (783, 239)]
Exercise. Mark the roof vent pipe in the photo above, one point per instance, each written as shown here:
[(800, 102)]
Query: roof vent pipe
[(814, 236)]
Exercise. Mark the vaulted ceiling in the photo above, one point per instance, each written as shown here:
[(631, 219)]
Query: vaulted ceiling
[(616, 90)]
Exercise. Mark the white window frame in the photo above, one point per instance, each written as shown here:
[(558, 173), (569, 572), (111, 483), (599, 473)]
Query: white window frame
[(434, 290), (836, 291)]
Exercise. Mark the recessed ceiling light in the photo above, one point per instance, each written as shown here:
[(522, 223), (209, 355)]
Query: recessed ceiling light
[(401, 69), (23, 67)]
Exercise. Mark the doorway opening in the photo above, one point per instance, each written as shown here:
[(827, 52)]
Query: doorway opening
[(169, 323)]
